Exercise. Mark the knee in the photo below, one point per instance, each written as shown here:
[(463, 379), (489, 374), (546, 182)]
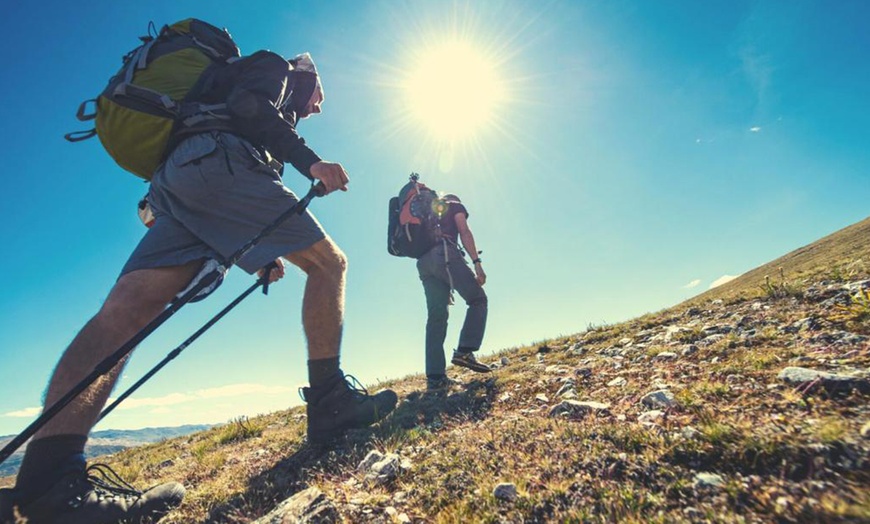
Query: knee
[(324, 257), (479, 301), (337, 264)]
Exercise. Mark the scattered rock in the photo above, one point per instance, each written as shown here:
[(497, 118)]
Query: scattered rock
[(689, 349), (579, 409), (583, 373), (373, 457), (382, 469), (712, 339), (804, 324), (661, 399), (505, 361), (708, 480), (811, 379), (865, 430), (689, 432), (505, 491), (617, 382), (307, 506), (672, 331), (666, 355), (566, 388)]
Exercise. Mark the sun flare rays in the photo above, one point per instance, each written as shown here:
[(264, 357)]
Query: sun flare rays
[(451, 86)]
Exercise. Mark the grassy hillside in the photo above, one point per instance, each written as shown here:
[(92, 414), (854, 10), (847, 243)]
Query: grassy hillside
[(723, 438), (840, 256)]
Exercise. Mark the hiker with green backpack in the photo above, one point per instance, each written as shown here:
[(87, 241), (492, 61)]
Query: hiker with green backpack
[(427, 227), (211, 131)]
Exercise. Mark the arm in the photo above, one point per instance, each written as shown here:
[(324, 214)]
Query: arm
[(262, 84), (467, 239)]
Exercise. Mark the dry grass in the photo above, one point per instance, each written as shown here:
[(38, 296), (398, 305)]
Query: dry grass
[(783, 455)]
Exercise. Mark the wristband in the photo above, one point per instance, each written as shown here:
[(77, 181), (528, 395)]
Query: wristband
[(476, 261)]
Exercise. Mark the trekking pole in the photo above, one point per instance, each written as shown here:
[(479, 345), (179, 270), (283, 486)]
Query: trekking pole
[(263, 281), (112, 360)]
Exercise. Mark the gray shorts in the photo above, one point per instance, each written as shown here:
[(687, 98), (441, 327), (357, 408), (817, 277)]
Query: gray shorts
[(213, 194)]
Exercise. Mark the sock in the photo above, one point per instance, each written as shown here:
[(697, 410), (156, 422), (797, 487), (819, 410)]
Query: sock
[(40, 467), (322, 372), (464, 349)]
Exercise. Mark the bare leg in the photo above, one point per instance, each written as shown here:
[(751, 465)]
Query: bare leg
[(135, 300), (323, 302)]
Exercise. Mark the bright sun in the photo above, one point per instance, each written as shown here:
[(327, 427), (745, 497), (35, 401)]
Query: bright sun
[(453, 90)]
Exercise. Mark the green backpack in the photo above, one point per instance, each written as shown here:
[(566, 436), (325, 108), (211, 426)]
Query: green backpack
[(148, 98)]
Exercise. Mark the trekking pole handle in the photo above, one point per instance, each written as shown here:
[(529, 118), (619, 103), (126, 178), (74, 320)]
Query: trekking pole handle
[(267, 273)]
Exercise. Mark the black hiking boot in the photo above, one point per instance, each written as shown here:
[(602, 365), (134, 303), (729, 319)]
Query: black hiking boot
[(467, 360), (344, 404), (96, 495)]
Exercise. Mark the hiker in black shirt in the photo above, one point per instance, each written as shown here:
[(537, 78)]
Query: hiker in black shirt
[(443, 269)]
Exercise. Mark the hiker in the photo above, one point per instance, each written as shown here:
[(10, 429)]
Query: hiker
[(219, 186), (428, 228), (443, 269)]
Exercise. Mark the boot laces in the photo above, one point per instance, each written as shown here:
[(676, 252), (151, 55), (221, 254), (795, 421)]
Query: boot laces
[(356, 388), (107, 482)]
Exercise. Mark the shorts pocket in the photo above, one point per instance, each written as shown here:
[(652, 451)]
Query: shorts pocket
[(193, 150), (202, 160)]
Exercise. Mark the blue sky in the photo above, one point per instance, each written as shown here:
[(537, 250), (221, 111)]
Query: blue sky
[(641, 151)]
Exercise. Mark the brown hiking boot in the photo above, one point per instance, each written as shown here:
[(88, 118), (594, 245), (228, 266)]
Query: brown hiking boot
[(96, 495), (440, 383), (467, 360), (344, 405)]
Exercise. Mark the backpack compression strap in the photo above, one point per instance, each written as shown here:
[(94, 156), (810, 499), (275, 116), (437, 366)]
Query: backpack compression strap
[(190, 114)]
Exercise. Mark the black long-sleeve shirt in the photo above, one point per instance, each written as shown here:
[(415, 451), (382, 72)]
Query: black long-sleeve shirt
[(257, 90)]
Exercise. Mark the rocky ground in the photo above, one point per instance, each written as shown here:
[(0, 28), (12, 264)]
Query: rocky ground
[(749, 409)]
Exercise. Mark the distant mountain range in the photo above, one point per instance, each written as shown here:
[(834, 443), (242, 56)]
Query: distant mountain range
[(108, 442)]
